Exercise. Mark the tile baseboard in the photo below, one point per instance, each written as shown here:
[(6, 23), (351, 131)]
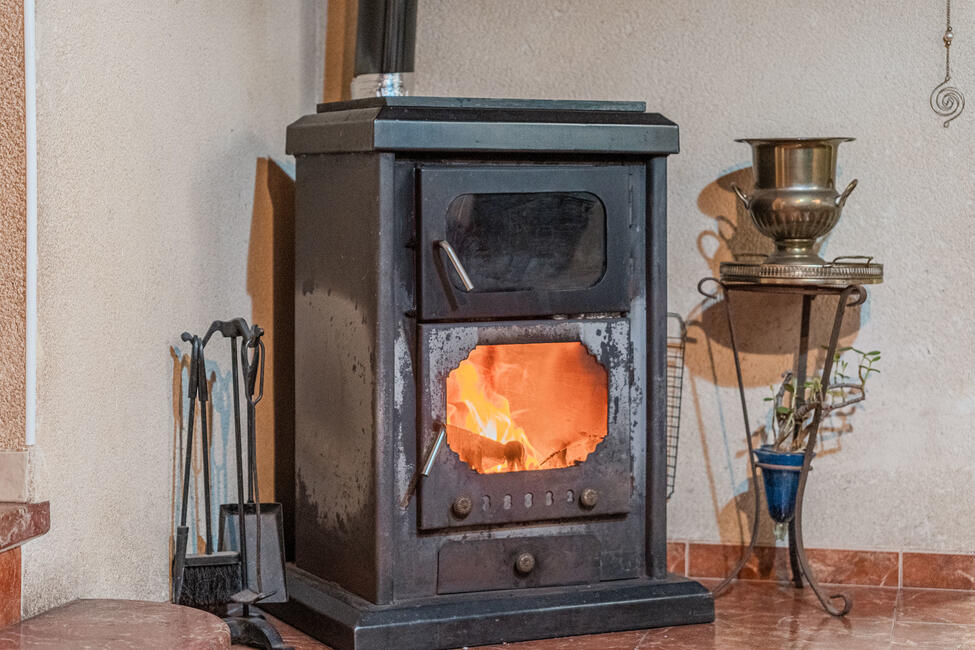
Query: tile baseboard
[(939, 570), (831, 566), (10, 582)]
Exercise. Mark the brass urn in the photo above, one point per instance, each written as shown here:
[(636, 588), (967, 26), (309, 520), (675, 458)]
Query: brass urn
[(794, 201)]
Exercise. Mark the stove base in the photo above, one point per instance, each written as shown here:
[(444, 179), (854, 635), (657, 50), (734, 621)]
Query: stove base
[(347, 622)]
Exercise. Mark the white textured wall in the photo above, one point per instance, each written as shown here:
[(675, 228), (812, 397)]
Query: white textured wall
[(903, 478), (151, 116)]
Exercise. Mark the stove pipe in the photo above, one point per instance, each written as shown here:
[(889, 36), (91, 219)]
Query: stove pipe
[(385, 42)]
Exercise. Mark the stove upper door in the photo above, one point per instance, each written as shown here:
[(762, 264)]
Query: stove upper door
[(526, 240)]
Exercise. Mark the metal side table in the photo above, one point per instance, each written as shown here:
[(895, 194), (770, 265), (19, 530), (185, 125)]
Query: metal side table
[(850, 295)]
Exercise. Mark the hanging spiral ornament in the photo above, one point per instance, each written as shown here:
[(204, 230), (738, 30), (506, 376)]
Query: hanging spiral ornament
[(946, 100)]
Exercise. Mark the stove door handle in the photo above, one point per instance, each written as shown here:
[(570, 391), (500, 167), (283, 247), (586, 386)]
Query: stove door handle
[(434, 451), (455, 261)]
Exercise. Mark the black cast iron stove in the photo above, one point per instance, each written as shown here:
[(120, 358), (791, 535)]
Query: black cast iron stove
[(480, 338)]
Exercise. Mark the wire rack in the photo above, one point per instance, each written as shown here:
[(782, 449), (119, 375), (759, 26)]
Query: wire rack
[(676, 340)]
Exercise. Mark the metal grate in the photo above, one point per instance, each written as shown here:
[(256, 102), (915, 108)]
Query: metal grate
[(675, 388)]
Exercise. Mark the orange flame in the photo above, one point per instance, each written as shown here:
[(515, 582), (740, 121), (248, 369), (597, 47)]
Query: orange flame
[(526, 407)]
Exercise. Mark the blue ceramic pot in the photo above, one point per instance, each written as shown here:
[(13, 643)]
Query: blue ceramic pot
[(781, 485)]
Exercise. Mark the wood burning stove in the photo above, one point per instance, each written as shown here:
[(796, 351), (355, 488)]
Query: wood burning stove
[(480, 373)]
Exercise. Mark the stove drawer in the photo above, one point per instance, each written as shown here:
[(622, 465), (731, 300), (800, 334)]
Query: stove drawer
[(513, 563), (527, 240), (555, 393)]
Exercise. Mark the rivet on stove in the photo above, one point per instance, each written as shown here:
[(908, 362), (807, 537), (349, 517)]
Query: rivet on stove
[(588, 498), (462, 506)]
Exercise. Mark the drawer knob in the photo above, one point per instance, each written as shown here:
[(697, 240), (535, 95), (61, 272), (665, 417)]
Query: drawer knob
[(588, 498), (525, 563), (462, 506)]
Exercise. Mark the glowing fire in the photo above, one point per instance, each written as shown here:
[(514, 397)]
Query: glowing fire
[(526, 407)]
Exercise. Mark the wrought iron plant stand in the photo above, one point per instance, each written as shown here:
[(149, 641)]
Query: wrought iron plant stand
[(850, 295)]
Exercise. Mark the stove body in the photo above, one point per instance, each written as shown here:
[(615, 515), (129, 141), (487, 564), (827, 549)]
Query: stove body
[(544, 510)]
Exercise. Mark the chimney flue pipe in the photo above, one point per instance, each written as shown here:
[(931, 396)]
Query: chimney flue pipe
[(385, 43)]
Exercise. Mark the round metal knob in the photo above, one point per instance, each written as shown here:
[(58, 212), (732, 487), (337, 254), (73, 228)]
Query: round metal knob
[(462, 506), (588, 498), (524, 563)]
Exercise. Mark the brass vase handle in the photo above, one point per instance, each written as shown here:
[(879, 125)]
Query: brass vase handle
[(841, 199), (745, 201)]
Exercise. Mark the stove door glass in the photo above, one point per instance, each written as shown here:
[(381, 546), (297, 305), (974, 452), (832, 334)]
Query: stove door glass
[(553, 241), (530, 406)]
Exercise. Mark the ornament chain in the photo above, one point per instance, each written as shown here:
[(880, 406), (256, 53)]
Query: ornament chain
[(947, 101)]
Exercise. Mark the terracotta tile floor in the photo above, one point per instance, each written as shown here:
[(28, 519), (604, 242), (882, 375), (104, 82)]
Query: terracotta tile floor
[(770, 615)]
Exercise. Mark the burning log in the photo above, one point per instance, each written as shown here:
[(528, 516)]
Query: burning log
[(480, 452), (514, 455)]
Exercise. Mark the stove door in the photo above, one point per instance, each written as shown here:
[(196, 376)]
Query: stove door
[(535, 419), (526, 240)]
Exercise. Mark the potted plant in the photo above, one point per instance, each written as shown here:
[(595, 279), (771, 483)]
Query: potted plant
[(793, 412)]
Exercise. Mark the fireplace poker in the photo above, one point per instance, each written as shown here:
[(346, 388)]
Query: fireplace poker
[(256, 342)]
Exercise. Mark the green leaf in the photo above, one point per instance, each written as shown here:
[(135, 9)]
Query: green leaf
[(783, 410), (768, 399), (845, 349), (790, 388)]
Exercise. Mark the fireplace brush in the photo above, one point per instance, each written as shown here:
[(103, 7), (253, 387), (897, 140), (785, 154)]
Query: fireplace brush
[(210, 578)]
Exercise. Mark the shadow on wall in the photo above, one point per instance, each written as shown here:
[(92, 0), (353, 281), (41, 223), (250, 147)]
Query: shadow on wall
[(270, 283), (767, 331)]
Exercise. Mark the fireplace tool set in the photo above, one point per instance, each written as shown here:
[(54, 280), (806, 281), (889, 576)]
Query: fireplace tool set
[(239, 573), (795, 203)]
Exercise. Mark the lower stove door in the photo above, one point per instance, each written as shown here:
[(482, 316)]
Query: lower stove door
[(537, 421)]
